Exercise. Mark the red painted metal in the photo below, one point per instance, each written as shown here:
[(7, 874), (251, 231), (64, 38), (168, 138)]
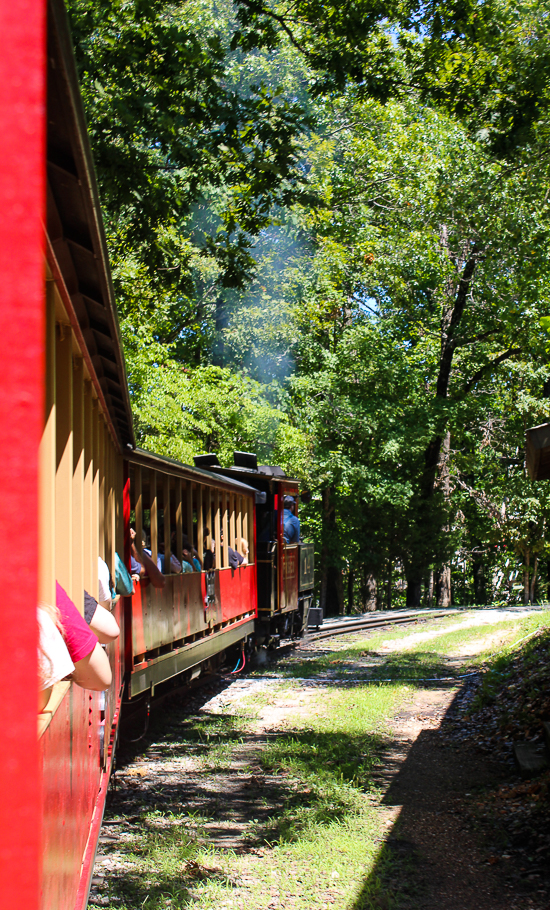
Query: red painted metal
[(22, 126), (98, 810), (238, 593)]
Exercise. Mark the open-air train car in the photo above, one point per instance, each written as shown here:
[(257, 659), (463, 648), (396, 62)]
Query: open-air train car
[(190, 623)]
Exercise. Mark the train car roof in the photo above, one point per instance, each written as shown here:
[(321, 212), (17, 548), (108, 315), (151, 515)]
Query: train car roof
[(177, 468), (76, 247)]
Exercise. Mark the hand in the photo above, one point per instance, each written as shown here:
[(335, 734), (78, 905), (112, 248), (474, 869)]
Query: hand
[(132, 534)]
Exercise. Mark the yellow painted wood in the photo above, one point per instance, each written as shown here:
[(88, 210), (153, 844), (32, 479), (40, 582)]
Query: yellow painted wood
[(47, 462), (200, 520), (97, 550), (167, 529), (78, 484), (208, 518), (232, 520), (64, 457), (245, 533), (225, 529), (90, 570), (179, 518), (217, 529), (138, 506), (153, 505), (189, 510), (238, 521), (101, 484)]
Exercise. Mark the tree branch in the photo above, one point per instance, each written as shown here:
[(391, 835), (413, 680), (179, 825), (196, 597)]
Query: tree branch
[(487, 368), (284, 26)]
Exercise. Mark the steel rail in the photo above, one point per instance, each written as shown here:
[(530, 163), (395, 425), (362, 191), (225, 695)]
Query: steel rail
[(342, 627)]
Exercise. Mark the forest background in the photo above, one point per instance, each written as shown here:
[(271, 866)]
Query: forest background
[(328, 228)]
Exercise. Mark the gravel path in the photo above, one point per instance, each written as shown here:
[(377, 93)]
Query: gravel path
[(436, 855)]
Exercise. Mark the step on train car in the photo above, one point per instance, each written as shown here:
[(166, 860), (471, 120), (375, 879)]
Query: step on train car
[(75, 487)]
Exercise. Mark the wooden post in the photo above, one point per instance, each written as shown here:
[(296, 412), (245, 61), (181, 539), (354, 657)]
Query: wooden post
[(138, 507), (78, 484), (200, 522), (47, 465), (95, 492), (112, 502), (250, 538), (153, 503), (179, 519), (208, 519), (246, 504), (101, 483), (232, 520), (120, 523), (225, 529), (90, 569), (64, 458), (189, 511), (167, 533), (217, 541), (239, 521)]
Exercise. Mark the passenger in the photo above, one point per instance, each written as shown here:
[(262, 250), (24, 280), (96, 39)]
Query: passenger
[(91, 664), (100, 620), (234, 558), (54, 660), (148, 568), (187, 556), (107, 593), (242, 547), (208, 552), (291, 523)]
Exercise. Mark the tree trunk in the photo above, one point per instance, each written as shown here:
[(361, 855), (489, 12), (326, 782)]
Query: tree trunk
[(414, 592), (369, 591), (332, 587), (526, 586), (533, 580), (480, 588), (351, 586), (443, 587), (430, 597), (390, 581), (443, 579)]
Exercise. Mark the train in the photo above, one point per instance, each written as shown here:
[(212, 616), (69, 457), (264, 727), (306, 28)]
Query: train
[(74, 483)]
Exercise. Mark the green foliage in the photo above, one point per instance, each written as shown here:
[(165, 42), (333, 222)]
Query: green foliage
[(329, 230)]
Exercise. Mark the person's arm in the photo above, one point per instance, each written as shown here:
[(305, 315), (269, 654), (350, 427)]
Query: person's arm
[(43, 698), (93, 671), (155, 575), (104, 625)]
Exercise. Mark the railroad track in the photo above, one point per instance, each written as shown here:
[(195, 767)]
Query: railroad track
[(333, 627)]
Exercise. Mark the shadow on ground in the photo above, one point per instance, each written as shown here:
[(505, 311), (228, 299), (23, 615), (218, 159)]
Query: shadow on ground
[(437, 857), (280, 785)]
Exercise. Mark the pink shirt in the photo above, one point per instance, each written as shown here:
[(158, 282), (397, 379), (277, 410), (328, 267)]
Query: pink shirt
[(79, 638)]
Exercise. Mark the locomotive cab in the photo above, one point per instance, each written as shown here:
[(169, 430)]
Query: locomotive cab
[(285, 570)]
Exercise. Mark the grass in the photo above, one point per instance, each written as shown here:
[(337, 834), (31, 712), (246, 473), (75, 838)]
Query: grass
[(316, 832)]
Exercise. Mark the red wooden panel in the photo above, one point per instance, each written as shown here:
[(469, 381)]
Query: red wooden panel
[(238, 591), (22, 122), (71, 780)]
